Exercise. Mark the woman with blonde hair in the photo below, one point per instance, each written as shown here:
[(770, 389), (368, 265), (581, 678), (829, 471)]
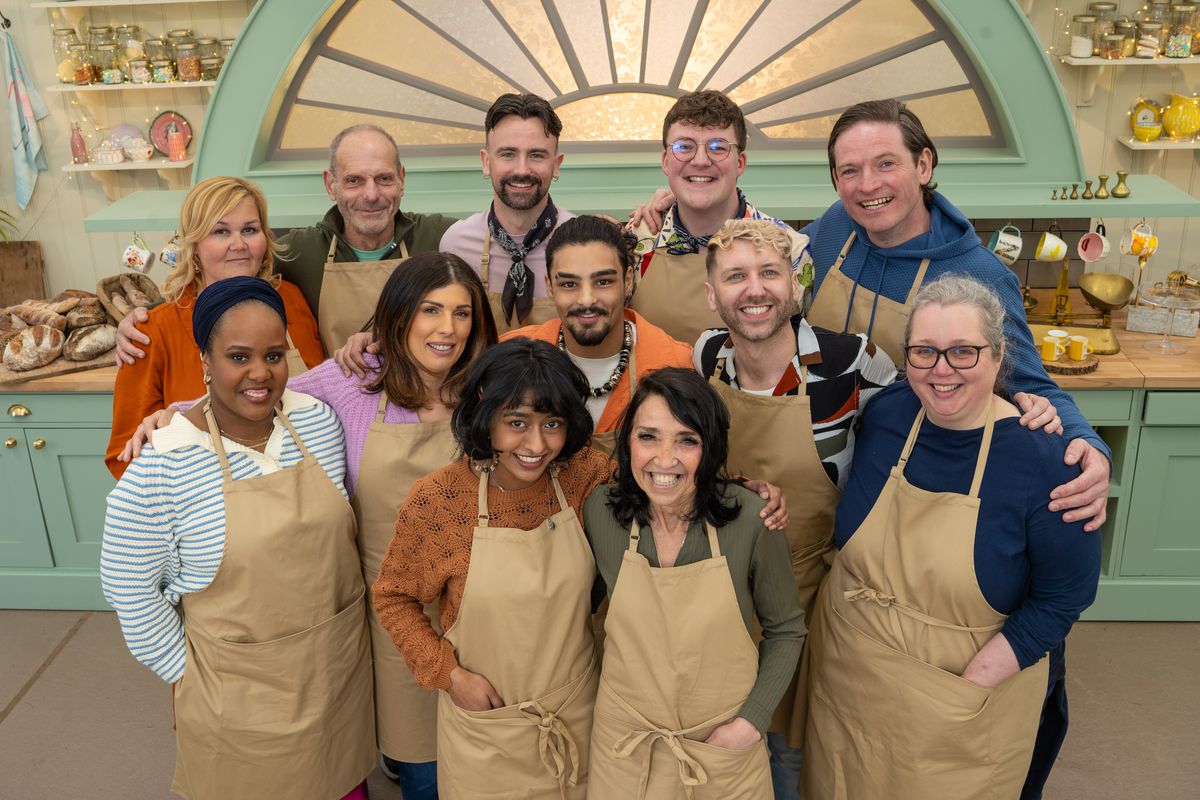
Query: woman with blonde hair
[(224, 232)]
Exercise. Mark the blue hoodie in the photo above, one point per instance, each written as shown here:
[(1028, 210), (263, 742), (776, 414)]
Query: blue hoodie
[(951, 245)]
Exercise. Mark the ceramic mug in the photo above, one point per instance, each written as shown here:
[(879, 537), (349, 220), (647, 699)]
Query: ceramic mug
[(1050, 248), (1006, 244), (1052, 349), (1094, 245), (1059, 335), (1079, 349), (1139, 241)]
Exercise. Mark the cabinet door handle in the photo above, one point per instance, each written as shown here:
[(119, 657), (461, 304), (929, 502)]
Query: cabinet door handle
[(10, 443), (38, 444), (18, 410)]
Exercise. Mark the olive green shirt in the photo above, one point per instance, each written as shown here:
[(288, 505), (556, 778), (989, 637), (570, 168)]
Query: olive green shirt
[(761, 568)]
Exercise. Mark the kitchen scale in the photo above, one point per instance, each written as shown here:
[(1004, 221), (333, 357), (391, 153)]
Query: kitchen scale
[(1105, 292)]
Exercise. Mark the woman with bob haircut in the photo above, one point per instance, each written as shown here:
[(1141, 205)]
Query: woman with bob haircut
[(937, 637), (680, 665), (495, 538), (223, 232)]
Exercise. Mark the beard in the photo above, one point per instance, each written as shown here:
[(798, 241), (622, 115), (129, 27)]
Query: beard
[(589, 337), (781, 315), (523, 203)]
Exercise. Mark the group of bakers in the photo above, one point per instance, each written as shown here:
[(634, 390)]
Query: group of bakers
[(540, 432)]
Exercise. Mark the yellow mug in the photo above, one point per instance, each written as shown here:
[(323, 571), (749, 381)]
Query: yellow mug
[(1052, 349), (1139, 241), (1060, 336), (1079, 349)]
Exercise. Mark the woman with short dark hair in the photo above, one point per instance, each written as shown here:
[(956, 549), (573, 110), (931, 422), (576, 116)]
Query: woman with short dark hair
[(681, 668), (495, 538)]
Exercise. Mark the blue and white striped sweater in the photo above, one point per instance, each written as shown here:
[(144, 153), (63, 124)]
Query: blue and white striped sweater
[(164, 530)]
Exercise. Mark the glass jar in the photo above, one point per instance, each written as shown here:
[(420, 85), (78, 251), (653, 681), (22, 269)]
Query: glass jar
[(83, 65), (187, 61), (1150, 37), (177, 37), (1128, 29), (209, 48), (210, 68), (1178, 42), (1112, 46), (129, 43), (156, 49), (109, 65), (139, 71), (1083, 34), (162, 70), (101, 34), (65, 70), (1157, 10), (226, 46), (1106, 17)]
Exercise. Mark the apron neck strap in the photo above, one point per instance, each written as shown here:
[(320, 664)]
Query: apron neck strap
[(332, 249), (383, 401), (846, 248), (984, 446), (485, 258), (713, 544), (215, 434), (635, 533), (482, 511), (403, 249), (558, 492), (917, 281), (911, 440)]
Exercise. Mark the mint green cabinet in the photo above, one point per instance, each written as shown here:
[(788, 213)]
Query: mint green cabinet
[(23, 540), (70, 468)]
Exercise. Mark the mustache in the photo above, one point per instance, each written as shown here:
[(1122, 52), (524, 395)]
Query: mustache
[(521, 179), (579, 312)]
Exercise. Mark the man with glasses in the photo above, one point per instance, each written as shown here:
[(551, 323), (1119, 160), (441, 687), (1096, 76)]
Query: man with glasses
[(704, 153)]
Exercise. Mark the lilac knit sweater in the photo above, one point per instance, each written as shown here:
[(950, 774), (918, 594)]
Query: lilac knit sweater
[(355, 408)]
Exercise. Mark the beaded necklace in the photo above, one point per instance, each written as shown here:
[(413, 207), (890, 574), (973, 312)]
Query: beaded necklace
[(622, 361)]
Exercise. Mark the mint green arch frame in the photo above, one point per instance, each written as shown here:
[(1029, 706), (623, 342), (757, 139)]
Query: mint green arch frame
[(1042, 144)]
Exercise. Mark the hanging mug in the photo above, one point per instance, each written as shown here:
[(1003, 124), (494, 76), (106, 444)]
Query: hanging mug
[(1006, 244), (1050, 247), (169, 254), (1139, 241), (1094, 245), (137, 256)]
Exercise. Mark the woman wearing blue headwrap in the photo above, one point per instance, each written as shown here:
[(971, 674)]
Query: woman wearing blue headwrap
[(229, 557)]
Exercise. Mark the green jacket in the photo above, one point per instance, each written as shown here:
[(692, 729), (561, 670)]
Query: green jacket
[(305, 249)]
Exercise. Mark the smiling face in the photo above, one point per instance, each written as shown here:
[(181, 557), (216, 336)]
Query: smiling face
[(664, 455), (521, 159), (753, 290), (587, 284), (235, 245), (367, 187), (526, 442), (879, 183), (953, 398), (440, 329), (246, 359), (702, 186)]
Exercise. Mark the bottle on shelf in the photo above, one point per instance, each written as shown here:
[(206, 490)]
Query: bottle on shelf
[(79, 153)]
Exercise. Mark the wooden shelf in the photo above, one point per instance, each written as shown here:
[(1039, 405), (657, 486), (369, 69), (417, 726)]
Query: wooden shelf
[(154, 163), (70, 88), (1160, 144), (104, 3), (1096, 61)]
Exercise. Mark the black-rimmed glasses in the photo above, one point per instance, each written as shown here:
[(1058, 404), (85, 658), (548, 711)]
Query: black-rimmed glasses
[(717, 149), (961, 356)]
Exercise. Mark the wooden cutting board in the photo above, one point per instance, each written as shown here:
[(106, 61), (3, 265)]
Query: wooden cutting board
[(21, 273), (59, 366)]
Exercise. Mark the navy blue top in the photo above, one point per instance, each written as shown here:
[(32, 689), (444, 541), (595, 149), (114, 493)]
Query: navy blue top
[(1031, 565)]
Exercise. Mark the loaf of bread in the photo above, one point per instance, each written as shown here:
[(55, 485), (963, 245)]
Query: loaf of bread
[(85, 344), (133, 294), (34, 347), (68, 293), (86, 314), (57, 306), (120, 303), (10, 322), (36, 315)]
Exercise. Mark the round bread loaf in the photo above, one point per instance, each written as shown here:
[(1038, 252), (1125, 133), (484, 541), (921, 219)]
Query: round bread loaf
[(35, 346), (85, 344)]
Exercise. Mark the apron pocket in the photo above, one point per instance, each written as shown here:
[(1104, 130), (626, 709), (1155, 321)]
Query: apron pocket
[(732, 774)]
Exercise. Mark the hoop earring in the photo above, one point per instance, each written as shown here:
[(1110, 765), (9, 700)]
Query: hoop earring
[(207, 379)]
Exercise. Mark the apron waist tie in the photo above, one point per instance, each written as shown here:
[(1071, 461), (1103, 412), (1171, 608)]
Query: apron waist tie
[(556, 745), (885, 600)]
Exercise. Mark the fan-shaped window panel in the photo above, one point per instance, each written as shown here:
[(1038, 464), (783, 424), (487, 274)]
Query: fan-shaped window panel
[(612, 67)]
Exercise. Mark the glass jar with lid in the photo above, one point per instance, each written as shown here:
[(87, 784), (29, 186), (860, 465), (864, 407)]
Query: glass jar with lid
[(162, 70), (83, 64), (64, 69), (1155, 11), (208, 47), (1128, 29), (1178, 42), (156, 49), (210, 68), (179, 36), (1106, 16), (1150, 39), (1112, 46), (101, 34), (1083, 35), (187, 61), (226, 46), (108, 64), (129, 43), (138, 71)]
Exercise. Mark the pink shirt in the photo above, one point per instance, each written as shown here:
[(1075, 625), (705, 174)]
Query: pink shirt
[(465, 240)]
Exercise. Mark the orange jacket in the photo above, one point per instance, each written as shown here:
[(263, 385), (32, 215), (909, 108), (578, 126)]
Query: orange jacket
[(171, 370), (653, 350)]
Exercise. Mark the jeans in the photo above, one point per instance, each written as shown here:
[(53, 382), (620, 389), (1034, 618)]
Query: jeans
[(785, 767), (417, 780)]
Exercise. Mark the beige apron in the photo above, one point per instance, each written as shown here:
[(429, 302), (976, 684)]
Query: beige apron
[(671, 295), (349, 293), (543, 307), (832, 310), (393, 458), (275, 700), (678, 662), (606, 442), (771, 439), (898, 619), (295, 361), (525, 625)]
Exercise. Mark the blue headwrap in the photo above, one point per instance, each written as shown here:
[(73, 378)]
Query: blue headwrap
[(219, 297)]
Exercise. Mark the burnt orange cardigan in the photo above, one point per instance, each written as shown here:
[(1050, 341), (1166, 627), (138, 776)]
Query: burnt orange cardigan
[(171, 370)]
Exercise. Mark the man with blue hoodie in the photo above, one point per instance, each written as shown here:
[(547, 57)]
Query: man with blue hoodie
[(889, 232)]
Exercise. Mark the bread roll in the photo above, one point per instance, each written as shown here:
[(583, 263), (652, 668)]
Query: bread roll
[(10, 322), (135, 295), (35, 315), (34, 347), (120, 303), (67, 293), (57, 306), (86, 314), (88, 343)]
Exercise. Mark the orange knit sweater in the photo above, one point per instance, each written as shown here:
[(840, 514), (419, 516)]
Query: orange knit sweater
[(171, 371), (431, 551)]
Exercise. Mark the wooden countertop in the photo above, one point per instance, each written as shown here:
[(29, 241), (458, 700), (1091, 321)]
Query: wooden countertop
[(92, 380)]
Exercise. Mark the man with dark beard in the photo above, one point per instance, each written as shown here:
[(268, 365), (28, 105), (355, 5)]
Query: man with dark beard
[(520, 156), (589, 276)]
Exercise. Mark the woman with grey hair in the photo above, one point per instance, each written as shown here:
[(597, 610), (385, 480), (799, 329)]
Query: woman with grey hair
[(953, 581)]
